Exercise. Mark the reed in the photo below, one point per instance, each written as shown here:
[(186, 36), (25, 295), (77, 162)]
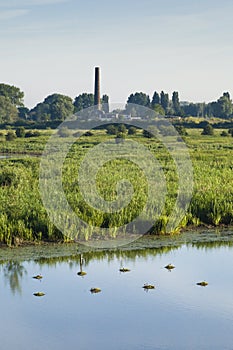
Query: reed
[(23, 217)]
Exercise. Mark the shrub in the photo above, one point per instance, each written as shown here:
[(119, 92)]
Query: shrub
[(120, 137), (64, 132), (224, 133), (88, 133), (181, 130), (111, 130), (122, 128), (132, 130), (208, 130), (147, 133), (32, 133), (10, 136), (20, 131)]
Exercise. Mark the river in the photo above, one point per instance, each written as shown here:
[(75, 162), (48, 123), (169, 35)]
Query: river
[(177, 314)]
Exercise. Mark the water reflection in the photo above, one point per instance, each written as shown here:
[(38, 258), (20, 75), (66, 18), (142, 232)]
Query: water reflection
[(177, 314), (14, 270), (13, 273)]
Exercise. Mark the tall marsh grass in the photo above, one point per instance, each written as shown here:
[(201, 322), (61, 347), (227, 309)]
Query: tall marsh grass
[(23, 217)]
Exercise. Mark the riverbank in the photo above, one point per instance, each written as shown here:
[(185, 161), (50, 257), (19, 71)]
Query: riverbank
[(203, 238)]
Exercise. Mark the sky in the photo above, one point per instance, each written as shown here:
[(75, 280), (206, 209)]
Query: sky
[(52, 46)]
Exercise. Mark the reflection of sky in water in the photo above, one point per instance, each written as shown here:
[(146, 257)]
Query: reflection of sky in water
[(176, 315)]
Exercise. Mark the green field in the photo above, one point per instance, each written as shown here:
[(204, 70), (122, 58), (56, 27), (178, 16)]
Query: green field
[(24, 219)]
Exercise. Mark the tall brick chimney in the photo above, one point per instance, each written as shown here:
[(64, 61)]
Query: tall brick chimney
[(97, 89)]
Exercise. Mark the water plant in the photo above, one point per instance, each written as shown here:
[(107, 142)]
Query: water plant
[(169, 267), (202, 284), (123, 269), (148, 286), (39, 294), (95, 290)]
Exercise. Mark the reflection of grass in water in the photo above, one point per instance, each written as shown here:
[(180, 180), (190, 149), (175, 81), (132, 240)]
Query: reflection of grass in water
[(53, 254), (72, 254), (13, 273)]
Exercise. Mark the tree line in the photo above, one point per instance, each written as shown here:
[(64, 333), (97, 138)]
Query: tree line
[(56, 107), (163, 105)]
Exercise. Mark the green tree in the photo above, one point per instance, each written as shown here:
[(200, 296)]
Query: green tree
[(139, 98), (226, 107), (159, 109), (155, 100), (134, 103), (13, 93), (223, 107), (190, 109), (105, 101), (54, 107), (164, 98), (176, 103), (23, 113), (83, 101), (8, 112)]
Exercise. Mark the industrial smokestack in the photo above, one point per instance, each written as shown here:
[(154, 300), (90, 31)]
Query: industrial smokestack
[(97, 88)]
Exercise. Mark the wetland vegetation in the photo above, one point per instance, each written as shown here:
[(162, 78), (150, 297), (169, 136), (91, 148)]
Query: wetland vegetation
[(24, 219)]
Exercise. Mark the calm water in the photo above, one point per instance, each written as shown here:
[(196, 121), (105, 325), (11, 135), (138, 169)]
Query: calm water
[(176, 315)]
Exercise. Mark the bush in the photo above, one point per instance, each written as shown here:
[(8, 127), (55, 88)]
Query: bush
[(224, 133), (32, 133), (122, 128), (147, 134), (230, 131), (111, 130), (64, 132), (132, 130), (181, 130), (208, 130), (10, 136), (20, 131), (120, 137), (167, 130), (88, 133)]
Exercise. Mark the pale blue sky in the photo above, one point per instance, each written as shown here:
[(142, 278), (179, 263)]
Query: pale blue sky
[(52, 46)]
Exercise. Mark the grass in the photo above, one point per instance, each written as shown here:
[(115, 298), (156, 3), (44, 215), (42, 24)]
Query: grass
[(24, 218)]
